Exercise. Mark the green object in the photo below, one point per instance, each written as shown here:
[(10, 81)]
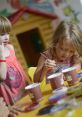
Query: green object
[(4, 12), (11, 78), (67, 11)]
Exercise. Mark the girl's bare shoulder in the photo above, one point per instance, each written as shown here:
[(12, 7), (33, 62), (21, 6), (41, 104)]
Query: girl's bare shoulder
[(10, 46)]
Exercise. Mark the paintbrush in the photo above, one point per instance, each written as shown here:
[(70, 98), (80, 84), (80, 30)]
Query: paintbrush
[(57, 69)]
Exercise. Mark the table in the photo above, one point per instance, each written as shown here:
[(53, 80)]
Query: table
[(46, 93)]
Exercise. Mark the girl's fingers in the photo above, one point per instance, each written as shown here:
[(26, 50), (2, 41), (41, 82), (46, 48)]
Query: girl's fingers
[(18, 109), (49, 62), (15, 112), (49, 67), (12, 114), (2, 103), (1, 99)]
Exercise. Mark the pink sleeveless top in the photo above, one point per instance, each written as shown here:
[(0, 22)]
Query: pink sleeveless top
[(15, 74)]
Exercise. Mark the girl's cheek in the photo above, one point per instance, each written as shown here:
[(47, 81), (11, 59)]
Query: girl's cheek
[(61, 52), (1, 40), (4, 37)]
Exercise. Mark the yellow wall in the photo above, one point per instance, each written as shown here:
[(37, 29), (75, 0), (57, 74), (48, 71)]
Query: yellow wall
[(25, 24)]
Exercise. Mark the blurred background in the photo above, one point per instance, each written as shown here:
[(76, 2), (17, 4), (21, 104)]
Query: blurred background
[(33, 24)]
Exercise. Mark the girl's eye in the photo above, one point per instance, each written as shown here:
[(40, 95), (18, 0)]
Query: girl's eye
[(62, 49), (2, 34)]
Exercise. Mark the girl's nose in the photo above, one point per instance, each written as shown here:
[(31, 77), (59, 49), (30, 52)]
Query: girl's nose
[(67, 54), (6, 39)]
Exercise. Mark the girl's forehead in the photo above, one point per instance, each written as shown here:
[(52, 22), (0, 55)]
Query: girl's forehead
[(67, 44)]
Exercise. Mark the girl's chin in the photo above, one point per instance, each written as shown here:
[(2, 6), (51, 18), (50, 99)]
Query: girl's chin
[(5, 44), (62, 60)]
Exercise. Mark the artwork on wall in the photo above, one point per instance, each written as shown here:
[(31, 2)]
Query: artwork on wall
[(65, 9), (70, 10), (11, 6), (6, 9)]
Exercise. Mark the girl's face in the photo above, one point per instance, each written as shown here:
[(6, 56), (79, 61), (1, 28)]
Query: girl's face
[(64, 50), (4, 38)]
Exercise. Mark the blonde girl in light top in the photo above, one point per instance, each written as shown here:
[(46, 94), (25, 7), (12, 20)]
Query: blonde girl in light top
[(64, 50)]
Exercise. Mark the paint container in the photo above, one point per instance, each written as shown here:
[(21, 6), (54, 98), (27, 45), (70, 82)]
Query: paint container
[(56, 80), (60, 90), (34, 92), (71, 75)]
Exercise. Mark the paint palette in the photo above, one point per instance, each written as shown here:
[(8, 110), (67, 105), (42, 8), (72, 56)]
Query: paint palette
[(77, 89), (58, 108)]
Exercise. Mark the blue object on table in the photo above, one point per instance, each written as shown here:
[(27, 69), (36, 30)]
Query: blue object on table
[(45, 110), (55, 97), (58, 108), (79, 75)]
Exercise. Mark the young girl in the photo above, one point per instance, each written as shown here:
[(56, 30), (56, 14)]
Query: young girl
[(64, 51), (12, 76)]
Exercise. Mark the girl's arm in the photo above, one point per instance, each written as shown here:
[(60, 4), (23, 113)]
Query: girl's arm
[(44, 65), (3, 67), (40, 71)]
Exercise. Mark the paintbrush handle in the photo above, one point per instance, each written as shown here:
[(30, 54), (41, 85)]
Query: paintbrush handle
[(45, 56)]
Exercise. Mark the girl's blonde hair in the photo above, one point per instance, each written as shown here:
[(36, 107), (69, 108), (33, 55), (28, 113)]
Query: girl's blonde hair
[(68, 31), (5, 25)]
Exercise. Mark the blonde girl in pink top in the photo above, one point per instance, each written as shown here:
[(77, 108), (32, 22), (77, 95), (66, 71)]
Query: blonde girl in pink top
[(12, 76)]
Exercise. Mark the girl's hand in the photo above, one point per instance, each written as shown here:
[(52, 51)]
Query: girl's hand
[(4, 112), (14, 111), (2, 52), (50, 64)]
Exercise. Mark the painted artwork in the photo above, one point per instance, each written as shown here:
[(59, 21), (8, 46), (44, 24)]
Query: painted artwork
[(65, 9), (44, 6), (5, 8), (11, 6), (70, 10)]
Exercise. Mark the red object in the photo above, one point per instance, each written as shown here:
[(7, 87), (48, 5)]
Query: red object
[(2, 60), (31, 106), (15, 16)]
